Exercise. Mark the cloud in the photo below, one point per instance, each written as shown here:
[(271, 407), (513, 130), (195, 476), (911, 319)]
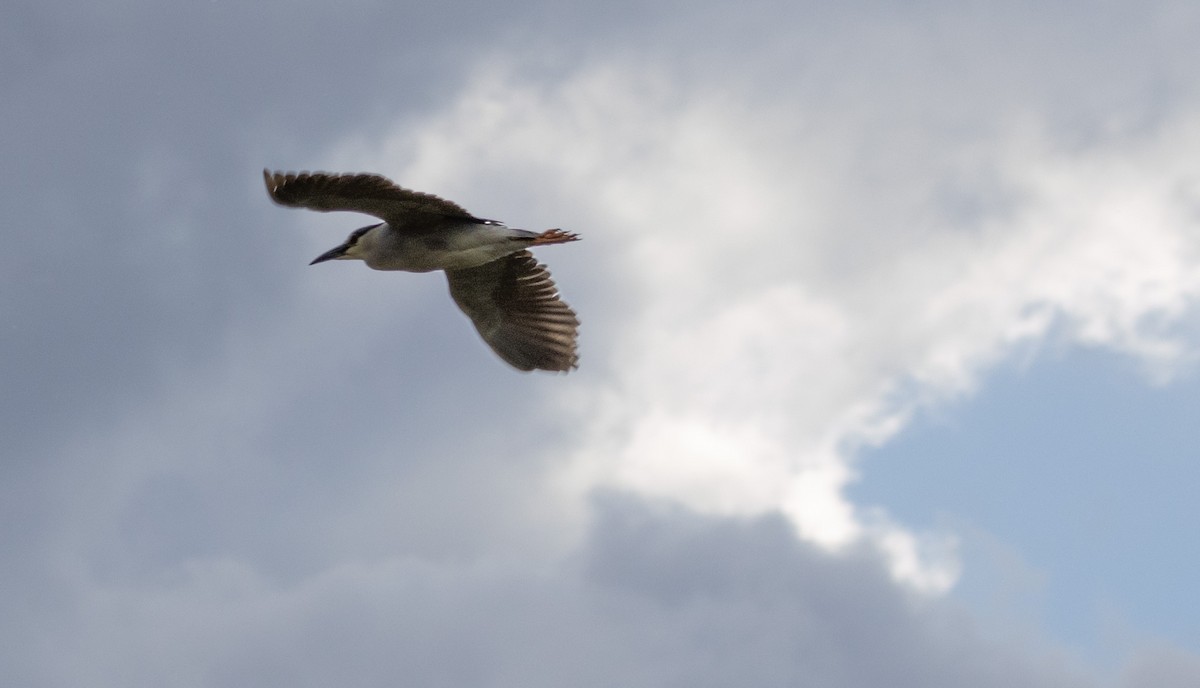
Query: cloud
[(776, 304), (795, 241), (1162, 666), (655, 595)]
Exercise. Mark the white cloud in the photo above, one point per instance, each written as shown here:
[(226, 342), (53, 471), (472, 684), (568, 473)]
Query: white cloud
[(741, 371)]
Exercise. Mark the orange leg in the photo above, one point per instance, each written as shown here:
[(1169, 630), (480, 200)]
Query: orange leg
[(554, 236)]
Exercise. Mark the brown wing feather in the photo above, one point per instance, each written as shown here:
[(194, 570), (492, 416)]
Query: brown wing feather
[(372, 194), (515, 307)]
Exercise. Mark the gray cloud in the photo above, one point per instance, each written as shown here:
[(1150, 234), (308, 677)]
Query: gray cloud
[(222, 467), (656, 596)]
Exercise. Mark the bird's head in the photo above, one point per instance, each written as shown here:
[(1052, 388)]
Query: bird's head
[(353, 248)]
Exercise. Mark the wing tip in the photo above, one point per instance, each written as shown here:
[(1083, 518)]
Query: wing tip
[(557, 367), (273, 180)]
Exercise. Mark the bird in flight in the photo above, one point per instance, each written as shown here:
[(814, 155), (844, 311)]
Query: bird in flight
[(493, 278)]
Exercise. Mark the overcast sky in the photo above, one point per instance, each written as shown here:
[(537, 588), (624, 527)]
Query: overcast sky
[(891, 317)]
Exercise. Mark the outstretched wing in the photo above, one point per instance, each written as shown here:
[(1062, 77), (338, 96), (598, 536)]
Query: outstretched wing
[(372, 194), (515, 306)]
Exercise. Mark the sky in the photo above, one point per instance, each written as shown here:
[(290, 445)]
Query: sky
[(891, 320)]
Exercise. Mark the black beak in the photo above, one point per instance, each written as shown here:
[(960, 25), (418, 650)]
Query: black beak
[(331, 254)]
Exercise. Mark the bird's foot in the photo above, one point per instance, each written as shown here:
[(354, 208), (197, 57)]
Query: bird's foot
[(554, 236)]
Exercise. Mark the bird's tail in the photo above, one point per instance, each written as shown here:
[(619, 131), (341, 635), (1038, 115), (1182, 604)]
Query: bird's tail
[(554, 236)]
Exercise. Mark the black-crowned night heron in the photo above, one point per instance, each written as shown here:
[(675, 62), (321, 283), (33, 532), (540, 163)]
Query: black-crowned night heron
[(493, 278)]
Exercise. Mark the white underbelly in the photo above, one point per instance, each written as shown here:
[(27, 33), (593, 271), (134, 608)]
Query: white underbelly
[(453, 250)]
